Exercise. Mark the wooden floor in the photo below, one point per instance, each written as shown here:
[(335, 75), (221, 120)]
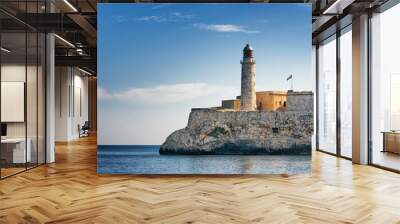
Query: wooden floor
[(5, 172), (70, 191)]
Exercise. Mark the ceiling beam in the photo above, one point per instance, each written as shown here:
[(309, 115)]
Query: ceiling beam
[(81, 61), (86, 26)]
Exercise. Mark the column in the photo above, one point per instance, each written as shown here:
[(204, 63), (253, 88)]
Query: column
[(360, 90)]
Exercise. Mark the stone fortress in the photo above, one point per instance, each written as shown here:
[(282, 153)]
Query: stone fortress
[(267, 122)]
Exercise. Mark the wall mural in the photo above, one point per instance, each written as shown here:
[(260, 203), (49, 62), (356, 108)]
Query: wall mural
[(205, 89)]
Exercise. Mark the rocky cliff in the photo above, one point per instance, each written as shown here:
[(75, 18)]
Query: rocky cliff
[(213, 131)]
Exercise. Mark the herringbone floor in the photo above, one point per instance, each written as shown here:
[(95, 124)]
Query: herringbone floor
[(70, 191)]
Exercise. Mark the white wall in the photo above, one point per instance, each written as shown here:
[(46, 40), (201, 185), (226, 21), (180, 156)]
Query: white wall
[(33, 126), (71, 87), (17, 73), (81, 114), (14, 72), (62, 82)]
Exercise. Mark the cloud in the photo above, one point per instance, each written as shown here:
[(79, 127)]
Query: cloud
[(225, 28), (170, 17), (165, 94), (151, 18), (103, 93), (181, 15)]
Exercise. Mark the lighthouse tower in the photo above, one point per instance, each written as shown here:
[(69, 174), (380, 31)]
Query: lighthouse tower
[(248, 94)]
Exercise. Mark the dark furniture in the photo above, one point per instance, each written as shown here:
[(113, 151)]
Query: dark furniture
[(84, 129), (3, 129), (391, 141)]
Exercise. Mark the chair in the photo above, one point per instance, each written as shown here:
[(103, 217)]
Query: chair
[(84, 130)]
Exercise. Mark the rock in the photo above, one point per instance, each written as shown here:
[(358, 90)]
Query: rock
[(213, 131)]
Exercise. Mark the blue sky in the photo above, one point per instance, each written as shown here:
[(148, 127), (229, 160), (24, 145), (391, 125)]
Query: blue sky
[(156, 61)]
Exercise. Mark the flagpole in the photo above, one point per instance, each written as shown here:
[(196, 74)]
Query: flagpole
[(292, 82)]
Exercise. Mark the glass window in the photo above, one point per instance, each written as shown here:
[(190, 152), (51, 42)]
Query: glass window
[(22, 92), (327, 95), (346, 92), (31, 97), (314, 72), (385, 88), (41, 88), (14, 154)]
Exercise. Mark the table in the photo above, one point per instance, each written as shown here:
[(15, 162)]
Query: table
[(391, 141), (15, 148)]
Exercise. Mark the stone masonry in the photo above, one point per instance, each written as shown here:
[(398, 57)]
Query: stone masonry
[(213, 131)]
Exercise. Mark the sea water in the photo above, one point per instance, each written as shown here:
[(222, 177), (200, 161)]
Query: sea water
[(145, 159)]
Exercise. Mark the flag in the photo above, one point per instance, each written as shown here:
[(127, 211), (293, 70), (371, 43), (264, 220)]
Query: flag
[(289, 78)]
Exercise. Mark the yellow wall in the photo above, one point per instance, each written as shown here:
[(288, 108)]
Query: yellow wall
[(267, 100), (271, 100)]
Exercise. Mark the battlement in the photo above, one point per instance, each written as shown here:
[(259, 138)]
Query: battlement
[(276, 101), (302, 100)]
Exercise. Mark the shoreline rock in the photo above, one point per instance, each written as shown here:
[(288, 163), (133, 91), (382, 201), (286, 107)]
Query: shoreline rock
[(235, 149), (226, 132)]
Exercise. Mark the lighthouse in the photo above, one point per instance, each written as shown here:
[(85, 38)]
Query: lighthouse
[(248, 88)]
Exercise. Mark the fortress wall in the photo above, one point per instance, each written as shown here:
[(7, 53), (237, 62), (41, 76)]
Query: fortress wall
[(211, 131), (255, 124), (300, 101)]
